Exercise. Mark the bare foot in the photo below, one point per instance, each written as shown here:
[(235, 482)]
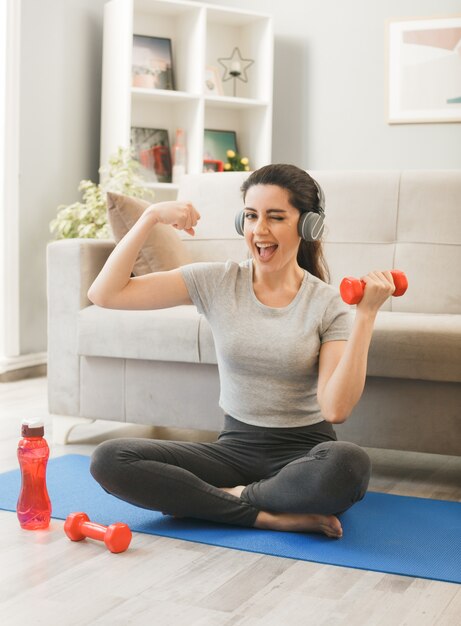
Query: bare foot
[(329, 525)]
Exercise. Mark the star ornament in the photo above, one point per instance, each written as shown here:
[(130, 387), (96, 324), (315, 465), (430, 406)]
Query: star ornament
[(235, 66)]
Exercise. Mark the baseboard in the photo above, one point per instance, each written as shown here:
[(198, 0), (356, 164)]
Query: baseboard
[(23, 366)]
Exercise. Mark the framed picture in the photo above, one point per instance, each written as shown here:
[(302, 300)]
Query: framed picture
[(424, 70), (152, 63), (213, 85), (151, 147), (211, 165), (217, 143)]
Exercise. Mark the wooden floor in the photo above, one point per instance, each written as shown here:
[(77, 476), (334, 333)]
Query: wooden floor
[(45, 579)]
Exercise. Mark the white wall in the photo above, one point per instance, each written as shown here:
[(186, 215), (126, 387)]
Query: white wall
[(61, 47), (329, 108), (330, 86)]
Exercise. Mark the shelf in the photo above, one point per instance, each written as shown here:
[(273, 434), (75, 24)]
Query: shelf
[(231, 16), (163, 95), (158, 8), (229, 102), (200, 36)]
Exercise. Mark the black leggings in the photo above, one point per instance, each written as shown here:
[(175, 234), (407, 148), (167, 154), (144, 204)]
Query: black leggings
[(292, 470)]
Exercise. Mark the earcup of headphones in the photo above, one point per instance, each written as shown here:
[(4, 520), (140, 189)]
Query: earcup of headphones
[(239, 220), (311, 226)]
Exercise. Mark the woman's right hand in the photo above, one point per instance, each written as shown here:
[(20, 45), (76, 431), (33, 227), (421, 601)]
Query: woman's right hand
[(180, 215), (378, 287)]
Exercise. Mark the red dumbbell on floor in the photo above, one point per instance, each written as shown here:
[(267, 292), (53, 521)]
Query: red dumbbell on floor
[(117, 536), (351, 289)]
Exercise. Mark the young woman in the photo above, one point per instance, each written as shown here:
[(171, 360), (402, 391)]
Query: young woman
[(291, 364)]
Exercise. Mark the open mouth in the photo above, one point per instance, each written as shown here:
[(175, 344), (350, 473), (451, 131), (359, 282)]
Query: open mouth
[(266, 251)]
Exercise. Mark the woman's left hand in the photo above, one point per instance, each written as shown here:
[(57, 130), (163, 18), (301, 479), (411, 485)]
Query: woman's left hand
[(378, 287)]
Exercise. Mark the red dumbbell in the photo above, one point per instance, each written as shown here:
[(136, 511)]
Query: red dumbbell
[(117, 536), (351, 289)]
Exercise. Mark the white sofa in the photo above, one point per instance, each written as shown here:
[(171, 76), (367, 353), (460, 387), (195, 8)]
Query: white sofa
[(159, 367)]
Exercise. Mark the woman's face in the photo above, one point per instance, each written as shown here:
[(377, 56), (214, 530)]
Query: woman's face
[(271, 227)]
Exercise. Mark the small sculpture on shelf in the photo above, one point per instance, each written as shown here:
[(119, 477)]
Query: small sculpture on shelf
[(235, 68)]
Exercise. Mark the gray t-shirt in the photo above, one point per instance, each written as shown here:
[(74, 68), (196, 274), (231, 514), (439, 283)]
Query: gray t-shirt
[(267, 357)]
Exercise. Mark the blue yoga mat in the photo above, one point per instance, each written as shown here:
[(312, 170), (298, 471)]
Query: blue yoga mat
[(385, 533)]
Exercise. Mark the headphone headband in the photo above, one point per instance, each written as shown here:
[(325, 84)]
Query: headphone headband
[(321, 197)]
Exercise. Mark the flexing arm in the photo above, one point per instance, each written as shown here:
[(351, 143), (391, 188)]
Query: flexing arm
[(113, 287), (343, 364)]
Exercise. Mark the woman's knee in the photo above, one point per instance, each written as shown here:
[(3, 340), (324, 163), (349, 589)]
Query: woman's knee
[(349, 458), (347, 470), (352, 460), (106, 461)]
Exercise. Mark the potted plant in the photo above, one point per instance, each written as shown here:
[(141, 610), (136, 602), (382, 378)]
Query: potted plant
[(88, 218), (236, 163)]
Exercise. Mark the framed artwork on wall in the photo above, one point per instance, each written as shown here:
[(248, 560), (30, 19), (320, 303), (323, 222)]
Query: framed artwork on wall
[(210, 165), (217, 143), (424, 70), (151, 147), (152, 63)]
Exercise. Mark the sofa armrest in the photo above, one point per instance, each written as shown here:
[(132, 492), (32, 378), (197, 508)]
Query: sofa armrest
[(72, 265)]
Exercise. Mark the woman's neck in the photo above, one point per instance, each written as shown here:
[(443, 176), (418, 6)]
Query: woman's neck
[(279, 286)]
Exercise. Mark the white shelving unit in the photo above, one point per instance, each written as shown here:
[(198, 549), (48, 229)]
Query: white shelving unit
[(200, 34)]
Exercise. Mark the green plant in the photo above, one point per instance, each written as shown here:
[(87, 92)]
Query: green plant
[(88, 219)]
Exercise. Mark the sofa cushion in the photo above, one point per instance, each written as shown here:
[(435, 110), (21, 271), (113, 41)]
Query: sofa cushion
[(429, 206), (434, 285), (162, 335), (163, 248), (357, 259), (218, 198), (428, 241), (418, 346), (360, 209), (404, 345)]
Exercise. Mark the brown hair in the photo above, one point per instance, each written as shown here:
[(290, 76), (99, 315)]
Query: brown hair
[(303, 196)]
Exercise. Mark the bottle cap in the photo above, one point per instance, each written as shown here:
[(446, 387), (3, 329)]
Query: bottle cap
[(32, 428)]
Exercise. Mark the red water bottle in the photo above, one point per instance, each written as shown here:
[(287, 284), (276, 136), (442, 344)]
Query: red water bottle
[(34, 506)]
